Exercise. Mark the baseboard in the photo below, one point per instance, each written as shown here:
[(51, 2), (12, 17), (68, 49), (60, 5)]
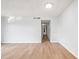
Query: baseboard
[(69, 50), (21, 42), (64, 47), (53, 41)]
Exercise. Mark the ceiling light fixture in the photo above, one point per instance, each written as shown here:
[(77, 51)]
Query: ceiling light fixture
[(48, 5)]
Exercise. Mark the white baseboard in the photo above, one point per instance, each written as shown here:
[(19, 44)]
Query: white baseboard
[(65, 48), (53, 41), (68, 50), (21, 42)]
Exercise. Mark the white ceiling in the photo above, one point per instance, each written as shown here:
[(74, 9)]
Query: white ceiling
[(33, 7)]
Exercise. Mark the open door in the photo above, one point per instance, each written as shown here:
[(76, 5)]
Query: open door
[(45, 26)]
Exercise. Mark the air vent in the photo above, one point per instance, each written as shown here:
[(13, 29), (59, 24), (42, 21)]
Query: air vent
[(36, 17)]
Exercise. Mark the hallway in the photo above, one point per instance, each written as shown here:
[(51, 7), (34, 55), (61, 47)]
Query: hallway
[(45, 38)]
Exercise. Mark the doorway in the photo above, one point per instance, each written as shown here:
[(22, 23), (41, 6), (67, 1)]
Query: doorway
[(45, 30)]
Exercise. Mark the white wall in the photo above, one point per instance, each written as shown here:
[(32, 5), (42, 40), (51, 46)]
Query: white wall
[(3, 27), (64, 28), (25, 30), (48, 30), (53, 30)]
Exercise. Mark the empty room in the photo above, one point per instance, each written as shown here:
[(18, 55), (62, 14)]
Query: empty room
[(39, 29)]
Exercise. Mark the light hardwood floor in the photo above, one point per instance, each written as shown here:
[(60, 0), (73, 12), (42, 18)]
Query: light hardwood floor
[(45, 50)]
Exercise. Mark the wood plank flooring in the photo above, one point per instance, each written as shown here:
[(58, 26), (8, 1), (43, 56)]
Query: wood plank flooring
[(45, 50)]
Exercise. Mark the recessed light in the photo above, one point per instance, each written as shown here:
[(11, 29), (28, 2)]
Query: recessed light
[(48, 5)]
